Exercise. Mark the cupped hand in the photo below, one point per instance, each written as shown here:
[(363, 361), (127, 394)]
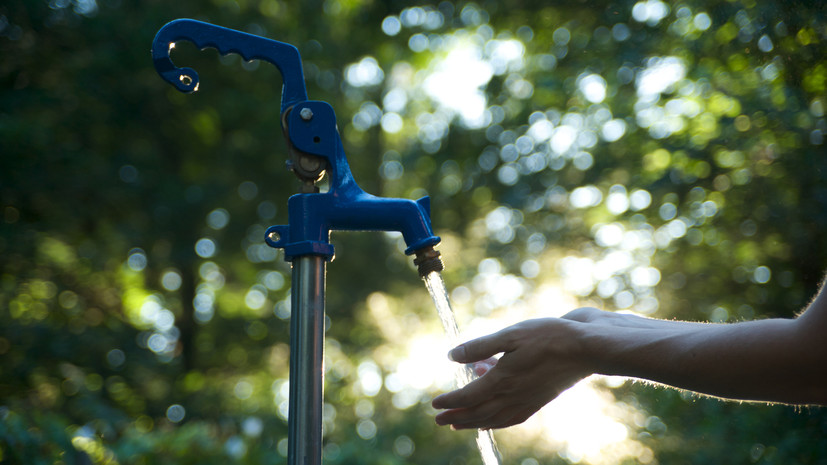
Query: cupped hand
[(541, 359)]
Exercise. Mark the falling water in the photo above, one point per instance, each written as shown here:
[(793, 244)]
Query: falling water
[(464, 374)]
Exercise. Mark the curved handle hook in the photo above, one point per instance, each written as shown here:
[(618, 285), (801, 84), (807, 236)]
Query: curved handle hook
[(251, 47)]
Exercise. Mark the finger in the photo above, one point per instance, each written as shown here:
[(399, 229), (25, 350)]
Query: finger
[(479, 349), (491, 412), (491, 416), (457, 418), (474, 393), (518, 418), (475, 423)]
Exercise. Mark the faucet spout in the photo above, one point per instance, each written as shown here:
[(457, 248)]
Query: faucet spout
[(366, 212)]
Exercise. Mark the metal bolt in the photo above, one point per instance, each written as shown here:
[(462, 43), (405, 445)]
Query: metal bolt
[(310, 163), (306, 114)]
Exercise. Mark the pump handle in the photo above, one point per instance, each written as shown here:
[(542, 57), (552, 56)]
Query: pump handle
[(251, 47)]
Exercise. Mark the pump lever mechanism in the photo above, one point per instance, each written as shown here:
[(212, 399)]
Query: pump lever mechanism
[(251, 47), (314, 146)]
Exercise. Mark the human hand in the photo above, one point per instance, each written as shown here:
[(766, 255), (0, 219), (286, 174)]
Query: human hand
[(594, 316), (541, 359)]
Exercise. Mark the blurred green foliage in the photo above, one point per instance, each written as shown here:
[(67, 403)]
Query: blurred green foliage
[(661, 158)]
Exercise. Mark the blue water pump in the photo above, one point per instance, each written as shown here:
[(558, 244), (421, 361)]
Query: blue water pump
[(314, 148)]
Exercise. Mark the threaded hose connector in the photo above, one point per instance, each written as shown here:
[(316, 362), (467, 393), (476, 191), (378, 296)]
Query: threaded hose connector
[(427, 260)]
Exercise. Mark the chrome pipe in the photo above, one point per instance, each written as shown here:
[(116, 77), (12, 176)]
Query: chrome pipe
[(304, 420)]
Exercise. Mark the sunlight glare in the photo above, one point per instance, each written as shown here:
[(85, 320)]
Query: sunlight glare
[(660, 75), (456, 82), (364, 73), (563, 138), (505, 55), (613, 130), (593, 88)]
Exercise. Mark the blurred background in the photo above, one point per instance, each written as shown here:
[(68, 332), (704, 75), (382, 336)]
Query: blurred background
[(661, 158)]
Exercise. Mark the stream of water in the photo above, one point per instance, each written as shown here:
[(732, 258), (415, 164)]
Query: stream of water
[(464, 374)]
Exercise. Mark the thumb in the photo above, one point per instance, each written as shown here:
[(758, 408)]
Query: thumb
[(478, 349)]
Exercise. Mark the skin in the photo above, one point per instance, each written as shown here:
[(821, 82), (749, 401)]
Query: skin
[(773, 360)]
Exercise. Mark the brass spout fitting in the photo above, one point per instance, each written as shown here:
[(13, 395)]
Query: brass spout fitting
[(427, 260)]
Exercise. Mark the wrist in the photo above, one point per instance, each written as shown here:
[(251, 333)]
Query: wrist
[(592, 345), (608, 350)]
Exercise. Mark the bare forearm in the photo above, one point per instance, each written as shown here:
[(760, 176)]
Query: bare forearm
[(770, 360)]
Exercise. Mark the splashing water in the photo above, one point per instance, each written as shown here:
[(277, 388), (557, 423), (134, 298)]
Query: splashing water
[(464, 374)]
